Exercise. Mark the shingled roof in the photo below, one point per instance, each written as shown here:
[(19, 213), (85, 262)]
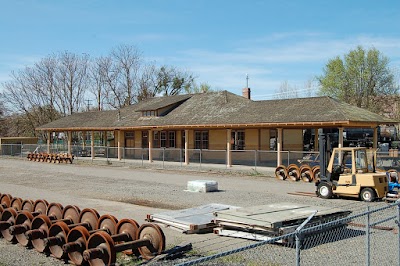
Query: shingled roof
[(222, 109)]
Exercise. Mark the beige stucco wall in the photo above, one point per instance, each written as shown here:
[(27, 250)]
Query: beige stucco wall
[(19, 140), (217, 139), (292, 139), (264, 139), (251, 139)]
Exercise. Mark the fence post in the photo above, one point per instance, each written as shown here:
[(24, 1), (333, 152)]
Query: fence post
[(255, 160), (200, 158), (299, 237), (180, 157), (163, 157), (367, 233), (398, 234)]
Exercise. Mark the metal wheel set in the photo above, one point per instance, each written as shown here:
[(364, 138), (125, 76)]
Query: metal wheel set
[(294, 172), (81, 236), (51, 157)]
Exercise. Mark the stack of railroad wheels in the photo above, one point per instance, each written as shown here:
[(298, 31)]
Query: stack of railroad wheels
[(82, 237), (51, 157), (294, 172)]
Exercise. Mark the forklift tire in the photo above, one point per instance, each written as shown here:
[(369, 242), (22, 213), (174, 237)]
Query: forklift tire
[(367, 194), (324, 190)]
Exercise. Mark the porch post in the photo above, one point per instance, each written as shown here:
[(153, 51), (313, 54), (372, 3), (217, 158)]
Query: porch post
[(316, 142), (92, 144), (186, 147), (375, 138), (69, 137), (340, 144), (279, 147), (150, 140), (48, 141), (119, 145), (84, 139), (105, 138), (228, 148)]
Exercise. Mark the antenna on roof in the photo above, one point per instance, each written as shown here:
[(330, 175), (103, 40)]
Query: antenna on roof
[(247, 80)]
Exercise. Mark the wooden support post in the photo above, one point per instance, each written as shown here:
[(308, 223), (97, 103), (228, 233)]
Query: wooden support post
[(69, 136), (186, 147), (84, 140), (375, 138), (92, 144), (150, 140), (340, 144), (279, 147), (316, 141), (228, 148), (119, 145), (105, 138), (48, 141)]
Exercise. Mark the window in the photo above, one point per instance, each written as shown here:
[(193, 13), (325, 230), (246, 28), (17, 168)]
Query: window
[(201, 140), (130, 135), (149, 113), (164, 139), (171, 139), (237, 140)]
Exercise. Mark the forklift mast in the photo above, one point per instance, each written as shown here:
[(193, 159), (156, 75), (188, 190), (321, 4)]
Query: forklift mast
[(325, 150)]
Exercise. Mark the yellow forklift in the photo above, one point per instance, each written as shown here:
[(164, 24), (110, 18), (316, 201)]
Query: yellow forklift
[(350, 172)]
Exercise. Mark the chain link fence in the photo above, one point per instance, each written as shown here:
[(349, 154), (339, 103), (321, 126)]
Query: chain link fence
[(253, 161), (367, 238)]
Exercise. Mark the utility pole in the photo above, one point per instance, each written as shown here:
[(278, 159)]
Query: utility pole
[(88, 104)]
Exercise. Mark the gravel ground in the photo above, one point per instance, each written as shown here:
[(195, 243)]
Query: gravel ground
[(132, 193)]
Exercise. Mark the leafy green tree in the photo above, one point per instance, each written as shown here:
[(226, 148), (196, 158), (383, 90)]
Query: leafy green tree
[(360, 78)]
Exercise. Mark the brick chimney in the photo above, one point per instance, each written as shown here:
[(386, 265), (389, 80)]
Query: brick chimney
[(246, 93)]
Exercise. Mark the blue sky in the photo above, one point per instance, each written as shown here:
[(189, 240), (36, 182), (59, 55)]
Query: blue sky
[(218, 41)]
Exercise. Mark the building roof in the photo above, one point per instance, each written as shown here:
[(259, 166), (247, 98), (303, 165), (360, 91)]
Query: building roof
[(223, 110)]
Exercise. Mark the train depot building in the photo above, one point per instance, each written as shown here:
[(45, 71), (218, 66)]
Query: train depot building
[(222, 125)]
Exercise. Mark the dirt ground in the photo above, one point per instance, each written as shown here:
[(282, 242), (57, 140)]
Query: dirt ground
[(133, 193)]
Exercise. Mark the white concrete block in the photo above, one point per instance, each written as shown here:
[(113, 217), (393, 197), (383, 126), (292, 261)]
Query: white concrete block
[(202, 186)]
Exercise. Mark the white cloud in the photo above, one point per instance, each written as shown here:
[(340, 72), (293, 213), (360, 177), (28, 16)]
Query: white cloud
[(271, 60)]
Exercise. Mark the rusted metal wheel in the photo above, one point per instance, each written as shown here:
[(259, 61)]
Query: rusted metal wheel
[(40, 206), (281, 172), (55, 211), (293, 172), (306, 173), (129, 227), (316, 173), (5, 200), (58, 233), (8, 220), (23, 223), (76, 244), (156, 236), (89, 218), (107, 223), (16, 203), (71, 214), (28, 205), (109, 254), (39, 231)]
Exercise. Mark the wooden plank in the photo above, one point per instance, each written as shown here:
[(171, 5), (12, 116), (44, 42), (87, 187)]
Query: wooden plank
[(273, 215)]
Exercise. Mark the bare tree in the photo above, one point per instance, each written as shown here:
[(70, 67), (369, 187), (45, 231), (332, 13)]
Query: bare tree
[(72, 81), (286, 91), (127, 65), (98, 78)]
